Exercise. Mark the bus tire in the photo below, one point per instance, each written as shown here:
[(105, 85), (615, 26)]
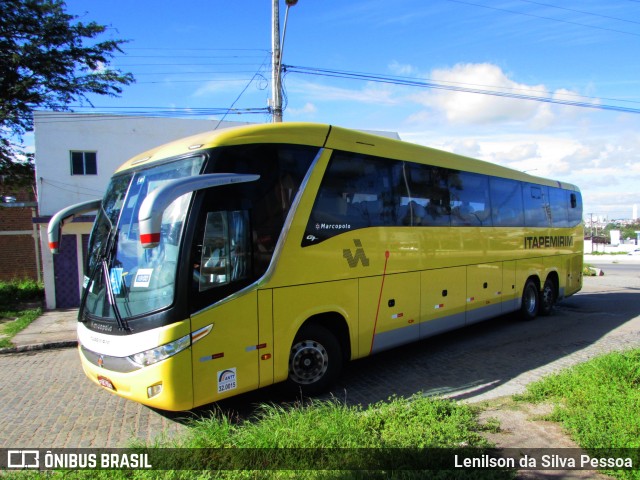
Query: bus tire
[(530, 300), (315, 361), (548, 297)]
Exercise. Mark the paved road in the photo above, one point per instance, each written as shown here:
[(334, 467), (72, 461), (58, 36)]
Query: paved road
[(46, 402)]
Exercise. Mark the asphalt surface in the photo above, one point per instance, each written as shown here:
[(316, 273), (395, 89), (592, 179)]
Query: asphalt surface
[(46, 401)]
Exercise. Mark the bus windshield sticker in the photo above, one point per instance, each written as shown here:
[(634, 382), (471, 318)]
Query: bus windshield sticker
[(116, 280), (143, 278)]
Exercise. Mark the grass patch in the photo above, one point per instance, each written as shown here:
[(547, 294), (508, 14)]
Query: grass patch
[(400, 423), (384, 428), (589, 270), (18, 320), (418, 422), (14, 314), (598, 402)]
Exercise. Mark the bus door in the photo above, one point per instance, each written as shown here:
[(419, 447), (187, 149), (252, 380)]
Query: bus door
[(225, 361), (225, 356)]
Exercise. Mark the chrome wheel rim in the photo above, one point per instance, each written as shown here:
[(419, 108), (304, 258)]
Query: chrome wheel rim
[(308, 362), (530, 300)]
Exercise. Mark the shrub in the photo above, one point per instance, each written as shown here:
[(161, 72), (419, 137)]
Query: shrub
[(20, 291)]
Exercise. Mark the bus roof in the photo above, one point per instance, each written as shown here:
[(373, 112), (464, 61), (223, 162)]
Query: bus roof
[(323, 135)]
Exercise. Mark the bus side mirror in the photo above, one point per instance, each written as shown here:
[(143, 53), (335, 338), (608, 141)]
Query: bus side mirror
[(152, 208), (574, 200), (63, 216)]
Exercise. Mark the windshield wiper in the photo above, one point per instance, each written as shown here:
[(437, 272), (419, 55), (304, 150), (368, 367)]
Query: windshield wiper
[(105, 257), (122, 323)]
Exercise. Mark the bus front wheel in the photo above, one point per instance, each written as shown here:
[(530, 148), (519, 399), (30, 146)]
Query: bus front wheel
[(530, 300), (315, 361)]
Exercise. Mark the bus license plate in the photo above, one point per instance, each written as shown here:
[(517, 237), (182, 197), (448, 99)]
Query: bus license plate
[(105, 382)]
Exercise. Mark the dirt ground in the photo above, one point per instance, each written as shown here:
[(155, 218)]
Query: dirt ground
[(521, 426)]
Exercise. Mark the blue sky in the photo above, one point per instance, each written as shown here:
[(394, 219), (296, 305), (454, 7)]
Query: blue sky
[(203, 54)]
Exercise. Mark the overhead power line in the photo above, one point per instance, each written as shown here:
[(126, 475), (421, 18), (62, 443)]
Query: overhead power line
[(544, 18), (582, 12), (414, 82)]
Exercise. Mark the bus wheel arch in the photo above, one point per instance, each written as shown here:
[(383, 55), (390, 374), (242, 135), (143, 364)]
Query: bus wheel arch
[(318, 352), (530, 299), (549, 294)]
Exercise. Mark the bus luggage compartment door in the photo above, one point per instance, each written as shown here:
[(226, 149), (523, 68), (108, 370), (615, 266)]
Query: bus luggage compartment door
[(389, 311), (484, 291), (443, 298)]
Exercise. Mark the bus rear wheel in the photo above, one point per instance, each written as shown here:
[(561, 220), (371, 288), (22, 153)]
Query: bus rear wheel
[(548, 297), (315, 361), (530, 300)]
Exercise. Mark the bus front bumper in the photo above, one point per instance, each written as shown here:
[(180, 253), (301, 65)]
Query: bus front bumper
[(166, 385)]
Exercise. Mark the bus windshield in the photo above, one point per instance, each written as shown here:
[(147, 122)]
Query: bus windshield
[(122, 279)]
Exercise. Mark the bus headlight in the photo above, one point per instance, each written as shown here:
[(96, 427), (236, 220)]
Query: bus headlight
[(155, 355)]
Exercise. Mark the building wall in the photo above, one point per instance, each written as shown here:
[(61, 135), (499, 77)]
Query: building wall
[(17, 243), (114, 138)]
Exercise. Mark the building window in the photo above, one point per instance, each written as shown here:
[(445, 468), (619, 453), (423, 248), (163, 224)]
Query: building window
[(84, 163)]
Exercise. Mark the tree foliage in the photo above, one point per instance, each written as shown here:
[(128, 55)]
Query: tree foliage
[(48, 60), (628, 230)]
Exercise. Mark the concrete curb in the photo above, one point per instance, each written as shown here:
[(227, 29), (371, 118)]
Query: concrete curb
[(39, 347)]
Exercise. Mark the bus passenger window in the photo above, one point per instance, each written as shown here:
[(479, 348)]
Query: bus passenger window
[(427, 187), (575, 212), (559, 207), (537, 210), (469, 197), (507, 209)]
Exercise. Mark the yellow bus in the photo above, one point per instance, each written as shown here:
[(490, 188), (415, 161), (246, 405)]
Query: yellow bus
[(235, 259)]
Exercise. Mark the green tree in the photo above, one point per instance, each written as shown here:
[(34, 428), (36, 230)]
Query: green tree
[(47, 60), (630, 230)]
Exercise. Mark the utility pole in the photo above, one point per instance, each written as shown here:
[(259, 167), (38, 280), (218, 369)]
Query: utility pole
[(277, 45), (276, 66)]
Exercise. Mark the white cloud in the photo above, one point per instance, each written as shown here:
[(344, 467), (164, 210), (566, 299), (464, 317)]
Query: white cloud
[(219, 86), (308, 109), (401, 68), (370, 94), (518, 153), (468, 147), (466, 108)]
